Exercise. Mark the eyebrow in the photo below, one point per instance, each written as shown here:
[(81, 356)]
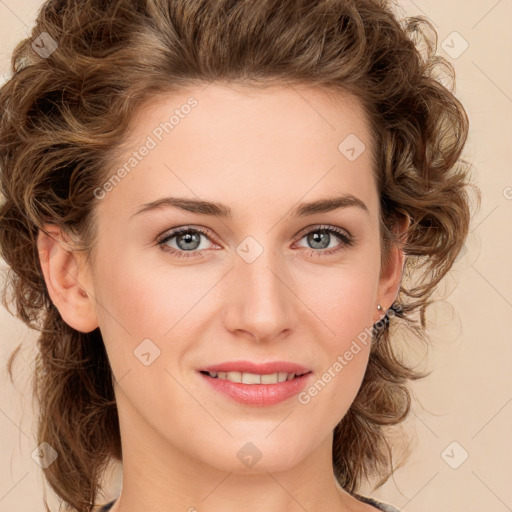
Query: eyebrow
[(222, 211)]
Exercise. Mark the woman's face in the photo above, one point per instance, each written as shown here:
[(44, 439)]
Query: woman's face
[(265, 283)]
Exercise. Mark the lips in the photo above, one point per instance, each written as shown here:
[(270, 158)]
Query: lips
[(257, 368), (258, 394), (257, 384)]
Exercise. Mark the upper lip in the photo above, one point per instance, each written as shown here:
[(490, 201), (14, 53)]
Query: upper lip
[(258, 368)]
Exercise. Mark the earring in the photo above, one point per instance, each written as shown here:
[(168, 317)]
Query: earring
[(379, 307)]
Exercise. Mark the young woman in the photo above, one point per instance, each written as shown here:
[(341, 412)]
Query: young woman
[(217, 212)]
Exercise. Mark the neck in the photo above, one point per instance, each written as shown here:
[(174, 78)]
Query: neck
[(158, 476)]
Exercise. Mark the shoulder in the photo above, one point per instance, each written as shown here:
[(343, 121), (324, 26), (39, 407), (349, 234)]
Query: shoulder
[(377, 504)]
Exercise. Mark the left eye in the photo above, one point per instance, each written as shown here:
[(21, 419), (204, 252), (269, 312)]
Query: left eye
[(188, 240), (321, 236)]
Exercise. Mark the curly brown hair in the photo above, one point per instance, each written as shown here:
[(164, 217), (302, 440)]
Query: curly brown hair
[(65, 113)]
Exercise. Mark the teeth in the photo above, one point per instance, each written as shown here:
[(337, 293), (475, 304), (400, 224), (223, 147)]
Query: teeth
[(253, 378)]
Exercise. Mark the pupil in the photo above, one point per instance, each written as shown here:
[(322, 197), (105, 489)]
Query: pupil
[(321, 238), (189, 238)]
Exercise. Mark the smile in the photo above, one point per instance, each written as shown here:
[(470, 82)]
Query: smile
[(255, 389), (252, 378)]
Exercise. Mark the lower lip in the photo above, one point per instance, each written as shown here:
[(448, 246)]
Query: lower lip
[(258, 394)]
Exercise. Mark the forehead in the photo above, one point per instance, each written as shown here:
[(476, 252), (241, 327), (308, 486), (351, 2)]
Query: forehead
[(245, 142), (305, 109)]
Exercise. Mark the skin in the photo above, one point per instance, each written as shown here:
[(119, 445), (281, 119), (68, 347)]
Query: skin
[(260, 152)]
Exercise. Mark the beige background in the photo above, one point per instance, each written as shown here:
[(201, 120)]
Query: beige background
[(467, 400)]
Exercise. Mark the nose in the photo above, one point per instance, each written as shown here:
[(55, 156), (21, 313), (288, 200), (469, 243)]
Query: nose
[(261, 301)]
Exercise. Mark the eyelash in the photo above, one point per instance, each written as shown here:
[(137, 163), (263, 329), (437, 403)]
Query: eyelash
[(346, 239)]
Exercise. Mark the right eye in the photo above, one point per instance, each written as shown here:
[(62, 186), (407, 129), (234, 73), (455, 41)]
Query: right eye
[(187, 240)]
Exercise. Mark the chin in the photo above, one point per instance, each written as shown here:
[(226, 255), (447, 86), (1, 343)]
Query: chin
[(258, 454)]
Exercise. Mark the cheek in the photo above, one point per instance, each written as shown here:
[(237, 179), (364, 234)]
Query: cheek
[(342, 298), (141, 301), (343, 301), (130, 309), (145, 298)]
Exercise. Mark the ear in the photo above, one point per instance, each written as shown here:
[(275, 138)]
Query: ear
[(67, 282), (391, 273)]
